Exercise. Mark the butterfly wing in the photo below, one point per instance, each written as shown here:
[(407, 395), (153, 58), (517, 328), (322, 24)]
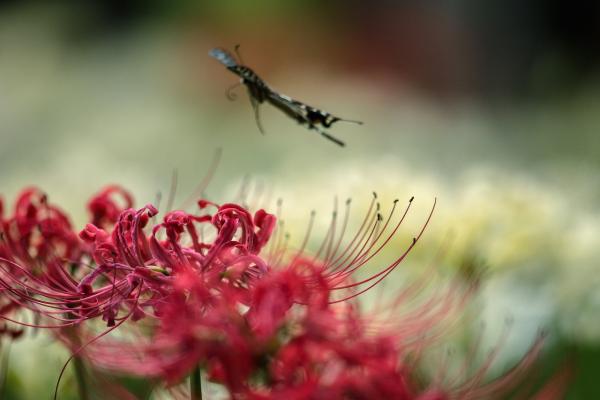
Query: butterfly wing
[(257, 89), (224, 57), (302, 113), (259, 92), (288, 106)]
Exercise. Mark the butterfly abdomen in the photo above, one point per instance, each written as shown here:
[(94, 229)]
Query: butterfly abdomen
[(248, 75), (316, 116), (257, 87)]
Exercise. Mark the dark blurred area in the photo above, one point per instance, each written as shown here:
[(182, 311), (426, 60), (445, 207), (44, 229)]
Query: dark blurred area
[(494, 50)]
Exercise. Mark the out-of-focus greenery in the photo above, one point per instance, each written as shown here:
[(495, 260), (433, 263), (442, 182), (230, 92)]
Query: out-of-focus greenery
[(89, 98)]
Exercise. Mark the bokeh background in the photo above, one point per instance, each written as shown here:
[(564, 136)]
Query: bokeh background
[(491, 107)]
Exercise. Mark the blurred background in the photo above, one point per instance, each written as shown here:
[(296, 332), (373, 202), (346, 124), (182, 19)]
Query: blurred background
[(491, 107)]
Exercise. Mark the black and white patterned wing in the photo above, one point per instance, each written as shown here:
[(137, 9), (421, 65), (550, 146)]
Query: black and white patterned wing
[(301, 112), (289, 106)]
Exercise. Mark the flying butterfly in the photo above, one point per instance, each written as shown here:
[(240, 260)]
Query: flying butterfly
[(259, 92)]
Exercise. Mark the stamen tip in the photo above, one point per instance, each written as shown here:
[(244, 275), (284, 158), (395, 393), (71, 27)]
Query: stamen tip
[(411, 199)]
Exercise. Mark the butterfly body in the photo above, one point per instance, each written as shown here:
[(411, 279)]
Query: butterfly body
[(308, 114), (259, 92), (257, 87)]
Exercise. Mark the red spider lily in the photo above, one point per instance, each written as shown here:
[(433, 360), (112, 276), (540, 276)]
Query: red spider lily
[(128, 262), (33, 241), (222, 290), (37, 231), (105, 208)]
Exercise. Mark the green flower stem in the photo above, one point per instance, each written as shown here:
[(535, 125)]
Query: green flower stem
[(5, 350), (81, 380), (78, 365), (196, 384)]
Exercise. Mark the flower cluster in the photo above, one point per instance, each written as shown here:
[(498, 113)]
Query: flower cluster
[(220, 288)]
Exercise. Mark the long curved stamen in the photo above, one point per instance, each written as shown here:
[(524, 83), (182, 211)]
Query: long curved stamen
[(344, 256), (378, 277), (172, 191), (363, 243), (309, 228), (199, 191), (365, 256), (326, 242), (327, 262)]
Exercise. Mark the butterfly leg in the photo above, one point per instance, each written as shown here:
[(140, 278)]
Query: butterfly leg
[(255, 107), (229, 92), (327, 135), (237, 52)]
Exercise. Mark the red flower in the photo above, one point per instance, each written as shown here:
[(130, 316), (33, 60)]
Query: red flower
[(105, 208), (209, 289)]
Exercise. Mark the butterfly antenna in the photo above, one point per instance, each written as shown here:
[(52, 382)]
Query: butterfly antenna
[(238, 54), (353, 121)]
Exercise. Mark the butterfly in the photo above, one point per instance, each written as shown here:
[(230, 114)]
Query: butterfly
[(259, 92)]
